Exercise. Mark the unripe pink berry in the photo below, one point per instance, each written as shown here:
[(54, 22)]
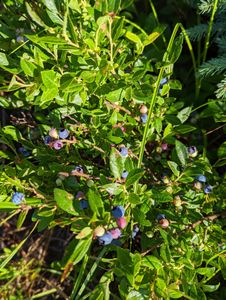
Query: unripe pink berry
[(121, 222), (164, 223), (197, 185), (143, 109), (58, 145), (53, 133), (116, 233), (164, 146)]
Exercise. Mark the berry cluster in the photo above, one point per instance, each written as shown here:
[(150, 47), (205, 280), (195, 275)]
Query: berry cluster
[(198, 184), (110, 236), (53, 139)]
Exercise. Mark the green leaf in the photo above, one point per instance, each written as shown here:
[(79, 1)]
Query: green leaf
[(64, 201), (208, 272), (27, 66), (152, 262), (95, 202), (116, 163), (84, 233), (176, 49), (4, 102), (48, 78), (151, 38), (184, 114), (210, 287), (222, 151), (134, 199), (158, 125), (7, 206), (13, 132), (160, 287), (113, 188), (183, 129), (134, 176), (52, 11), (175, 294), (80, 250), (133, 37), (34, 16), (3, 59), (174, 167), (182, 152)]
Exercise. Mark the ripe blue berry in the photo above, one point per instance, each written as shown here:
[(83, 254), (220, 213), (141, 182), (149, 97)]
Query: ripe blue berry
[(201, 178), (208, 189), (124, 174), (144, 118), (118, 211), (17, 198), (47, 140), (135, 231), (105, 239), (160, 217), (63, 133), (83, 204), (163, 81), (24, 151), (79, 169), (123, 151)]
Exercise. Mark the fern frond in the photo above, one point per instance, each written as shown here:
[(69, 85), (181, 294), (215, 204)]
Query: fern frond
[(197, 32), (221, 42), (205, 6), (221, 91), (213, 66)]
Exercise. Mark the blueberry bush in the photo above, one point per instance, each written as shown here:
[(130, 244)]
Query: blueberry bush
[(112, 159)]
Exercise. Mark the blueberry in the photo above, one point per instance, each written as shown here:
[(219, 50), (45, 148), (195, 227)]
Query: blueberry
[(118, 211), (47, 140), (144, 118), (63, 133), (136, 228), (24, 152), (135, 231), (160, 217), (123, 151), (79, 169), (79, 195), (192, 151), (17, 198), (83, 204), (58, 145), (116, 233), (208, 189), (163, 81), (121, 222), (201, 178), (105, 239), (133, 235), (124, 174)]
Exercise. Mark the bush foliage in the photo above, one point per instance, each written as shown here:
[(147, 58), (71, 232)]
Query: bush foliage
[(97, 135)]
